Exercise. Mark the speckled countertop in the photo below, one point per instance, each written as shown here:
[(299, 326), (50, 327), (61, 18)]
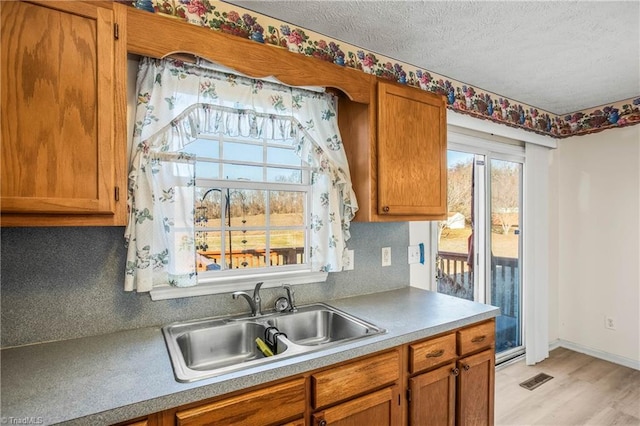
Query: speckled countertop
[(115, 377)]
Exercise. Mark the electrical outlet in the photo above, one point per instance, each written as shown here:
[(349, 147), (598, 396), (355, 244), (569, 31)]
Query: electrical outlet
[(413, 254), (609, 323), (386, 256), (347, 260)]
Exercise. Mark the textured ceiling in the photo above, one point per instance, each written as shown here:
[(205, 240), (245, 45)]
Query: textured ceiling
[(559, 56)]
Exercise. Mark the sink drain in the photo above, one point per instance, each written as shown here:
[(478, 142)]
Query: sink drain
[(536, 381)]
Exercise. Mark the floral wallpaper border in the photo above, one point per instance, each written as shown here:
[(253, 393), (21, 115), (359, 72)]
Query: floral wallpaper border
[(461, 97)]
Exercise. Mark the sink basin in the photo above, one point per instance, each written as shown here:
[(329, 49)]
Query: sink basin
[(211, 347), (317, 325), (215, 347)]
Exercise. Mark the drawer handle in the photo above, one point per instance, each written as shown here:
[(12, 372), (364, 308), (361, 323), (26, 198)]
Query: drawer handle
[(435, 354), (322, 423), (385, 209), (466, 367), (478, 339), (455, 372)]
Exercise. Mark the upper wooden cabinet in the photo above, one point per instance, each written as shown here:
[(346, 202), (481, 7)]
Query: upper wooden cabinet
[(63, 83), (397, 150), (412, 179), (63, 116)]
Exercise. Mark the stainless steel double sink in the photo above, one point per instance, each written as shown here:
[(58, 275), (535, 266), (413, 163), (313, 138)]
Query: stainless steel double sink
[(207, 348)]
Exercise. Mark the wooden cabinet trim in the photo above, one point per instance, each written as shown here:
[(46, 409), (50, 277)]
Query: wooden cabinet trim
[(354, 378), (257, 60)]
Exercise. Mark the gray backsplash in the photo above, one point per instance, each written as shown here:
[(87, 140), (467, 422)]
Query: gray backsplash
[(63, 283)]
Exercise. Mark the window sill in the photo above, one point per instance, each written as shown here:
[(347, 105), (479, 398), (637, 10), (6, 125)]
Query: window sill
[(229, 284)]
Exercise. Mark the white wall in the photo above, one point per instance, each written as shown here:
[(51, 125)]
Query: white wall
[(595, 248)]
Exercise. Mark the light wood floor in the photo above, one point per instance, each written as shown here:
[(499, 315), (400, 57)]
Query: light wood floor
[(584, 391)]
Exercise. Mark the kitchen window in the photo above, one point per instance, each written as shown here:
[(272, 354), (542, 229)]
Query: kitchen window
[(252, 204), (232, 181)]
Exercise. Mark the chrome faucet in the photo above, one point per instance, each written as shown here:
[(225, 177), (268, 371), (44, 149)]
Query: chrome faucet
[(255, 303), (290, 294)]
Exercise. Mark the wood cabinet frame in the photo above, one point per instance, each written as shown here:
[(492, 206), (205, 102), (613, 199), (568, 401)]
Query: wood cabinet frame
[(30, 201)]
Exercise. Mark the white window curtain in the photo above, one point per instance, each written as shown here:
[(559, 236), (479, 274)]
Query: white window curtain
[(536, 253), (177, 102)]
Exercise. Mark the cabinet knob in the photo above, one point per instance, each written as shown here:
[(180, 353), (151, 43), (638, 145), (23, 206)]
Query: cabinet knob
[(322, 423), (385, 209), (455, 372), (466, 367)]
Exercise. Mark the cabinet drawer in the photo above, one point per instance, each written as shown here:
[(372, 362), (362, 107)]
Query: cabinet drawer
[(265, 406), (354, 378), (432, 352), (477, 337)]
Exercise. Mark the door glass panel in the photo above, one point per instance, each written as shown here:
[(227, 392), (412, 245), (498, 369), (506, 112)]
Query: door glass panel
[(454, 265), (479, 249), (505, 252)]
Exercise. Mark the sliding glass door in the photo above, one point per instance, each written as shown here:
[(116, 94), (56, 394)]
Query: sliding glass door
[(479, 245)]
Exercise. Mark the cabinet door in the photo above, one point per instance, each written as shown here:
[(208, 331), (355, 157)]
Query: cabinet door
[(381, 408), (433, 399), (269, 406), (476, 389), (412, 144), (57, 83)]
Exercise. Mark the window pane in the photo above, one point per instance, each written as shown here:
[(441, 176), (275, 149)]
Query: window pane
[(247, 207), (505, 252), (207, 170), (284, 175), (208, 208), (455, 275), (248, 249), (286, 208), (283, 156), (238, 172), (209, 253), (242, 152), (287, 247), (203, 148)]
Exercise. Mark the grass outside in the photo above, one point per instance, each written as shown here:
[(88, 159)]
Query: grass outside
[(455, 240), (256, 239)]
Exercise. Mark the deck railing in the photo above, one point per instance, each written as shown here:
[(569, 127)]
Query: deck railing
[(250, 258), (456, 277)]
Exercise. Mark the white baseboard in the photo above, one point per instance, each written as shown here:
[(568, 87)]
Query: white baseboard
[(596, 353)]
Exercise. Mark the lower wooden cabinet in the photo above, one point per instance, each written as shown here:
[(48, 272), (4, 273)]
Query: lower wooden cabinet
[(433, 397), (446, 380), (381, 408), (476, 389), (457, 390)]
